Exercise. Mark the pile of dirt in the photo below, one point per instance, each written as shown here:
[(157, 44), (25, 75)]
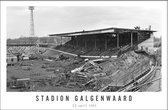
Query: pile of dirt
[(50, 53), (113, 71)]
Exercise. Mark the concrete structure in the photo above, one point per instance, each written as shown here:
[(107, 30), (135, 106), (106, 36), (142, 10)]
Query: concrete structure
[(25, 57), (11, 59), (107, 38), (147, 45)]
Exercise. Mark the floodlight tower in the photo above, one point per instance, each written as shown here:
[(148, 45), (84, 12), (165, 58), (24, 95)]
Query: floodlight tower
[(31, 8)]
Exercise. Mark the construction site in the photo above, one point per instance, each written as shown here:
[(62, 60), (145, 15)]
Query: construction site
[(102, 60), (105, 60)]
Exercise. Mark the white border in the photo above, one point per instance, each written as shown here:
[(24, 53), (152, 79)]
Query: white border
[(145, 100)]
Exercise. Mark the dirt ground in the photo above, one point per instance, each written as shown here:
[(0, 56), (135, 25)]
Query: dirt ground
[(49, 74), (41, 69), (155, 86)]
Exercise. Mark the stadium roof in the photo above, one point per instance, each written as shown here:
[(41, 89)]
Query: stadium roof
[(99, 31)]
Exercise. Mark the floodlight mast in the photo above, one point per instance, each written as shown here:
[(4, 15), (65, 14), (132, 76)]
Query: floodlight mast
[(31, 8)]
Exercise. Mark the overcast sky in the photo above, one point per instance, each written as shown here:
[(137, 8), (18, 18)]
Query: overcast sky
[(48, 20)]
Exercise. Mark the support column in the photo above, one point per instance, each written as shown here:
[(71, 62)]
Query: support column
[(137, 38), (76, 41), (105, 42), (95, 44), (117, 40), (61, 40), (131, 39), (85, 44)]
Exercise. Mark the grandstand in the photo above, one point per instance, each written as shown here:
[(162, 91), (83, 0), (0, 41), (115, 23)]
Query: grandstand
[(102, 42)]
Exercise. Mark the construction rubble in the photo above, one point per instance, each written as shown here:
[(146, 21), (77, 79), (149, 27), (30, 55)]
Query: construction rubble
[(64, 73)]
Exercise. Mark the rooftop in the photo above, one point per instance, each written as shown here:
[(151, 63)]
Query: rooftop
[(100, 31)]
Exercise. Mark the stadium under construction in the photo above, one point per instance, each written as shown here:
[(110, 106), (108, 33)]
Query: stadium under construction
[(110, 59), (102, 41)]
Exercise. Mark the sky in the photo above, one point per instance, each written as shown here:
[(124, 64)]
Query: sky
[(61, 19)]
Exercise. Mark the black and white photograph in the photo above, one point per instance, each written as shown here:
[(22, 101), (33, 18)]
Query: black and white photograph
[(85, 52), (104, 58)]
